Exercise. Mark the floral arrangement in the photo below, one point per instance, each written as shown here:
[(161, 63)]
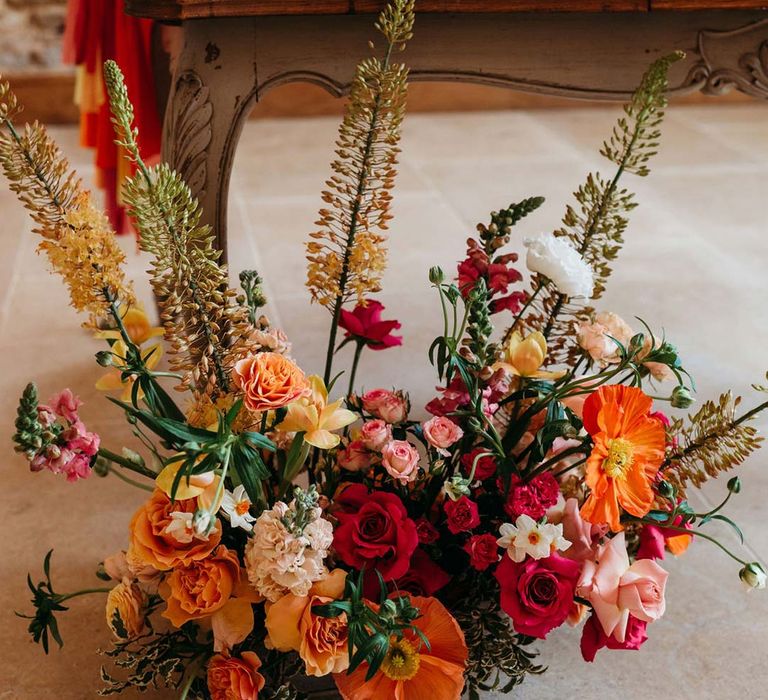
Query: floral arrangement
[(293, 530)]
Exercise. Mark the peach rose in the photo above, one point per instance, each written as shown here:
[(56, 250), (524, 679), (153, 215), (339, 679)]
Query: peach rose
[(126, 610), (401, 460), (354, 457), (617, 590), (125, 565), (235, 678), (152, 543), (200, 588), (268, 380), (594, 337), (388, 405), (375, 434), (441, 432), (320, 641)]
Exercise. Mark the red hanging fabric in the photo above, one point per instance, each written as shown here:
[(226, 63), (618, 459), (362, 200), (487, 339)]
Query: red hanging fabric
[(98, 30)]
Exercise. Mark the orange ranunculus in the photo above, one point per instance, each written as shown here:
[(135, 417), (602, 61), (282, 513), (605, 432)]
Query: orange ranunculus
[(212, 587), (153, 544), (320, 641), (410, 671), (235, 677), (268, 381), (628, 451), (126, 610)]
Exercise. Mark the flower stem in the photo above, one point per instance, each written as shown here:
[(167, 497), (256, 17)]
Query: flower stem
[(355, 361), (85, 591), (127, 480), (126, 463)]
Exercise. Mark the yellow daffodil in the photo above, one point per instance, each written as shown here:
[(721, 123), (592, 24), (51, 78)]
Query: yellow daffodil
[(137, 325), (113, 379), (316, 418), (524, 357)]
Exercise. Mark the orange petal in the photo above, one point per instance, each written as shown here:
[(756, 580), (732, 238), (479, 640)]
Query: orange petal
[(232, 623)]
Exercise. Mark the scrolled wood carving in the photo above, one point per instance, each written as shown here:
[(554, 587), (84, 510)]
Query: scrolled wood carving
[(188, 131), (735, 59)]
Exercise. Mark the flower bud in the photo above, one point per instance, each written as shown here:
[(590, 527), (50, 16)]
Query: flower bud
[(681, 397), (457, 487), (133, 457), (753, 576), (101, 467), (436, 275), (104, 358), (666, 490), (202, 522), (734, 484)]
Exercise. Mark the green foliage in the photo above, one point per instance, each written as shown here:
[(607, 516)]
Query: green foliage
[(371, 631), (47, 603), (497, 233), (712, 441), (596, 224), (206, 329)]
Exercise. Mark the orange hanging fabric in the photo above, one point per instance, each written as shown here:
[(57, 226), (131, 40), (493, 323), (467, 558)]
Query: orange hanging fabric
[(98, 30)]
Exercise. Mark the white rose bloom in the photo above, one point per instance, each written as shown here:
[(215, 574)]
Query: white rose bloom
[(530, 538), (555, 258)]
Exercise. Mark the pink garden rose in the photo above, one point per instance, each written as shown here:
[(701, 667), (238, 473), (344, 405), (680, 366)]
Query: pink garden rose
[(375, 434), (401, 460), (354, 457), (390, 406), (441, 432), (617, 590), (537, 593)]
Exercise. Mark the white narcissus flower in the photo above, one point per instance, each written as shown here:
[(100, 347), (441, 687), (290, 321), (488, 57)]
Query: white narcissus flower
[(529, 538), (183, 528), (555, 258), (236, 505)]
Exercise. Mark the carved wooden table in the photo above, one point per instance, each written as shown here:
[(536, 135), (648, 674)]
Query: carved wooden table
[(234, 51)]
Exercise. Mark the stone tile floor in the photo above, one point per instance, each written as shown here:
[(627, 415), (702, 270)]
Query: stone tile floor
[(694, 264)]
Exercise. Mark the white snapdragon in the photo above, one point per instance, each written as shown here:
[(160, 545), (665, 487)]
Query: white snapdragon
[(555, 258), (530, 538)]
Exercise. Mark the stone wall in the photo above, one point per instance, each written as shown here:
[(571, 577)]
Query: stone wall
[(30, 34)]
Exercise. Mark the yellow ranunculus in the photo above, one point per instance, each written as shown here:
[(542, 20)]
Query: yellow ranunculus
[(316, 418), (524, 357)]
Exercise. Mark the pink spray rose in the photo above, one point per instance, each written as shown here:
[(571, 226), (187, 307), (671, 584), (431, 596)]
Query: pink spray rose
[(354, 457), (537, 593), (617, 590), (390, 406), (483, 551), (375, 434), (441, 433), (401, 460)]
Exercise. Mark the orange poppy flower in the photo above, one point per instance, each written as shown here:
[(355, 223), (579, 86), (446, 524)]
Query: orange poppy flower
[(410, 671), (628, 451)]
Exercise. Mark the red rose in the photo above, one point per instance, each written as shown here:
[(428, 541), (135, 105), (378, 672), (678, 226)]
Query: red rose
[(537, 593), (593, 638), (426, 531), (462, 515), (374, 531), (424, 577), (533, 498), (483, 551), (485, 468)]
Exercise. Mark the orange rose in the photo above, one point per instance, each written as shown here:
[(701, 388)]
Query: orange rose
[(200, 588), (154, 545), (126, 610), (235, 678), (268, 381), (320, 641)]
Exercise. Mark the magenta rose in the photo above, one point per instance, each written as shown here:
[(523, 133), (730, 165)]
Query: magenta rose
[(537, 593), (593, 638), (483, 551), (462, 515), (374, 531)]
